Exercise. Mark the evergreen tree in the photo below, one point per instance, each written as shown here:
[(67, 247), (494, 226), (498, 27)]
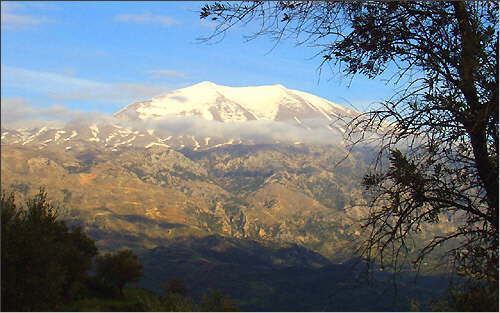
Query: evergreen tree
[(119, 268), (214, 301), (43, 262)]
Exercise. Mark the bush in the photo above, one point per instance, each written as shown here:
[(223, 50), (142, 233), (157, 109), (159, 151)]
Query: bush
[(43, 262), (119, 268)]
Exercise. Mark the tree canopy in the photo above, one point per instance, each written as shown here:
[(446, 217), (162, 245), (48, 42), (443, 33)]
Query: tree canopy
[(439, 132), (43, 262), (119, 268)]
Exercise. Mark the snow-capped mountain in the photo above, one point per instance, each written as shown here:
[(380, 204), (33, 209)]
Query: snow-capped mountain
[(234, 104), (298, 115)]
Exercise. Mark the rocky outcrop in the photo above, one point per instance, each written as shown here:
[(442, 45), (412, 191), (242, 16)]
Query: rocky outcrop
[(143, 197)]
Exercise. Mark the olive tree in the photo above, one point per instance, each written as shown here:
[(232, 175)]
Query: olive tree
[(44, 262), (119, 268), (438, 133)]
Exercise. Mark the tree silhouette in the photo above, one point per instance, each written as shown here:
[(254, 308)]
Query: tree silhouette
[(214, 301), (119, 268), (43, 262), (175, 286), (439, 131)]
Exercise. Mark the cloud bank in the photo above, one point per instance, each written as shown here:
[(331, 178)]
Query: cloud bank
[(17, 113), (14, 20), (315, 132), (67, 87), (147, 18)]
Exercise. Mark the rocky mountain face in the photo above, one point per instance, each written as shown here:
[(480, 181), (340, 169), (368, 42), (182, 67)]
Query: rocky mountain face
[(141, 197), (133, 181)]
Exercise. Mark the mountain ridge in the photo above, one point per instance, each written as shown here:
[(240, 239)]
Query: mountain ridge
[(202, 116)]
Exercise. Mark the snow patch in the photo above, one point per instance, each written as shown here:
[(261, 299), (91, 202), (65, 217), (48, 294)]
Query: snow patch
[(73, 134), (157, 144), (196, 143), (94, 129), (31, 138), (110, 137), (125, 131), (230, 142), (58, 134), (125, 142)]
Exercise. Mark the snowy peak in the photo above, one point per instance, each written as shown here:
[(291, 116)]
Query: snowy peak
[(303, 118), (228, 104), (205, 83)]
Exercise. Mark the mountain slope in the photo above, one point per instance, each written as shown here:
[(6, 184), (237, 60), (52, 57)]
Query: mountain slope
[(140, 187), (282, 279)]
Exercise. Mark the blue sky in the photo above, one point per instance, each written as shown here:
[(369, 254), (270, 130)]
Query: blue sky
[(101, 56)]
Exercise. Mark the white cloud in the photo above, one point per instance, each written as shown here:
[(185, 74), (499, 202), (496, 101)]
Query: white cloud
[(10, 19), (147, 18), (260, 131), (69, 71), (167, 73), (66, 87), (17, 113)]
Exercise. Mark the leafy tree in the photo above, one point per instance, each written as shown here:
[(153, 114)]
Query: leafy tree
[(43, 262), (440, 130), (471, 298), (175, 286), (175, 302), (119, 268), (214, 301), (83, 249), (176, 296), (176, 299)]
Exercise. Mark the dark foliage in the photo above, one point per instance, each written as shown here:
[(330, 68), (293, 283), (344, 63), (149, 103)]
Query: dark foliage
[(119, 268), (444, 56), (44, 263), (214, 301), (440, 131), (469, 298), (175, 286)]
